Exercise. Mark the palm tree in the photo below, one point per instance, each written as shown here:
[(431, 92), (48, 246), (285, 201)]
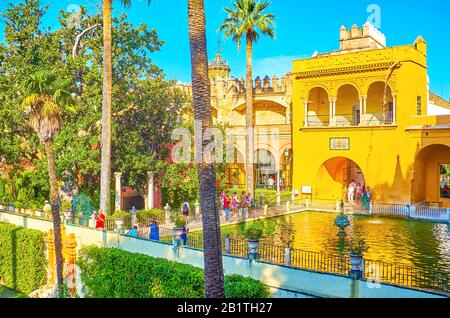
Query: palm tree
[(214, 281), (248, 19), (46, 95), (105, 178)]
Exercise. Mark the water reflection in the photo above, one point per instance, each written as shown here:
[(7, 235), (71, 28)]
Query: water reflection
[(392, 240)]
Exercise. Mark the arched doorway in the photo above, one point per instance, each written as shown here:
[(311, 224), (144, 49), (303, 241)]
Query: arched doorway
[(347, 106), (379, 104), (266, 112), (431, 181), (132, 198), (334, 176), (318, 113), (265, 170)]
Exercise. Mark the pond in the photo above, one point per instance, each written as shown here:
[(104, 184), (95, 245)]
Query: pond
[(393, 240)]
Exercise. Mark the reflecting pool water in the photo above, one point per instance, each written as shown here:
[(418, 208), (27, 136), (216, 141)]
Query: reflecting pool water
[(415, 243)]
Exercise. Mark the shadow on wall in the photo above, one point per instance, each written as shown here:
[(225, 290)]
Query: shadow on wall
[(399, 191)]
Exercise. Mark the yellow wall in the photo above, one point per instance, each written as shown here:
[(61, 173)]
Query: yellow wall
[(385, 154)]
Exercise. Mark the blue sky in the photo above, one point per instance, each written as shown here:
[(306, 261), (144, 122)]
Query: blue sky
[(303, 26)]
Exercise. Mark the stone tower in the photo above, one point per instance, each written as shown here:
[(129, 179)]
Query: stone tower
[(218, 69)]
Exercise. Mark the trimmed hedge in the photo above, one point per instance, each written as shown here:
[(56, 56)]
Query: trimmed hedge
[(113, 273), (270, 196), (22, 258)]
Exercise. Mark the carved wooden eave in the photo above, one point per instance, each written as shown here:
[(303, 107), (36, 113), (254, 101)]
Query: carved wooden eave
[(346, 70)]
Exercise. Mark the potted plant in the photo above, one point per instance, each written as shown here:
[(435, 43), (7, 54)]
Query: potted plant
[(254, 231), (180, 222), (119, 219), (357, 247), (286, 234)]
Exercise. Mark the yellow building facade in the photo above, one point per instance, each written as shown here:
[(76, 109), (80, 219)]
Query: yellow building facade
[(360, 113)]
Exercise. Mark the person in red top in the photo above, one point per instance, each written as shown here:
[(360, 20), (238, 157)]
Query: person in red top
[(226, 207), (100, 217)]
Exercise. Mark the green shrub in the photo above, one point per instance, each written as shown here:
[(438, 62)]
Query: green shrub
[(147, 215), (254, 230), (270, 196), (113, 273), (237, 286), (180, 221), (22, 258)]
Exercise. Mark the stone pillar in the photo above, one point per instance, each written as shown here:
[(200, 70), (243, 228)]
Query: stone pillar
[(363, 109), (394, 108), (330, 100), (151, 189), (118, 199), (306, 112)]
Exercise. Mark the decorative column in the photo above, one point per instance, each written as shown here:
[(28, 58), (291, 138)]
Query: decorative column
[(331, 109), (118, 199), (362, 109), (394, 108), (151, 189), (306, 112)]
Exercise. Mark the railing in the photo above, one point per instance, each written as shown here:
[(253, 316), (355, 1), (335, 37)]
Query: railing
[(318, 120), (375, 119), (403, 210), (354, 119), (431, 213), (346, 120), (373, 271), (404, 275)]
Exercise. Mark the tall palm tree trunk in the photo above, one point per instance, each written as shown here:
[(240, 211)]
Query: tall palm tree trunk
[(54, 201), (249, 114), (105, 179), (214, 281)]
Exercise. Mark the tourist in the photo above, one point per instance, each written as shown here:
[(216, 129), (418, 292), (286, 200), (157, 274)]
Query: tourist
[(365, 202), (133, 232), (359, 192), (154, 230), (186, 210), (100, 220), (184, 234), (244, 206), (369, 198), (226, 206), (222, 199), (249, 203), (351, 192), (47, 210), (271, 182), (234, 204), (133, 215)]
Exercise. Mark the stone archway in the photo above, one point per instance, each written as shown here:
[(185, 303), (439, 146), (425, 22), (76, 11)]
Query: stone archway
[(318, 110), (334, 177), (431, 181), (265, 169), (347, 106)]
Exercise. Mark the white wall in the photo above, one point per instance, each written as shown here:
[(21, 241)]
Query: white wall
[(434, 110)]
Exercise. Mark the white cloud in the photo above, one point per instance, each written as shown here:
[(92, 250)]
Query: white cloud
[(275, 65)]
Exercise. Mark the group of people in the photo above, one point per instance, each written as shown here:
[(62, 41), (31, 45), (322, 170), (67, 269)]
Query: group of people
[(153, 232), (358, 193), (236, 206)]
